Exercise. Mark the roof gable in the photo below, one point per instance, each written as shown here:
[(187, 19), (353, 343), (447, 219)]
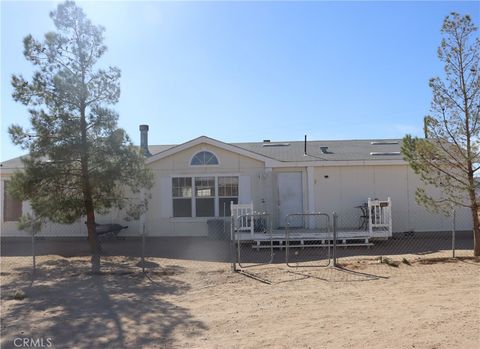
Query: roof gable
[(213, 142)]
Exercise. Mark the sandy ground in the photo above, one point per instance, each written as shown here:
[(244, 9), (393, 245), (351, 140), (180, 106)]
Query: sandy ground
[(195, 304)]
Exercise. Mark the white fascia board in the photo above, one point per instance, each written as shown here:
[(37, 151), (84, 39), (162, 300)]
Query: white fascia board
[(212, 142), (336, 163)]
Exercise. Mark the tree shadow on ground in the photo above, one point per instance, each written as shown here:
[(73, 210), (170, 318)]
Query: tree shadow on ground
[(80, 310)]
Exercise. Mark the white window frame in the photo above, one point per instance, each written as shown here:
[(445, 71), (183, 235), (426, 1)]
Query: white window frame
[(194, 197), (216, 197), (204, 165), (231, 196), (176, 198)]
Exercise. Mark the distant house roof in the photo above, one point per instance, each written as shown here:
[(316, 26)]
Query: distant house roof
[(293, 151), (12, 163)]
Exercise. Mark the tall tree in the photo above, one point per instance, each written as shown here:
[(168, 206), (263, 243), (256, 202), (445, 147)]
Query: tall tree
[(80, 163), (449, 158)]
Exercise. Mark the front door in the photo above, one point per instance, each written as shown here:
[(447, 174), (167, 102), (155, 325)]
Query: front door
[(290, 197)]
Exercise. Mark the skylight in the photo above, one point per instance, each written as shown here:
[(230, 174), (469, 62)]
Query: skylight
[(376, 153), (383, 142), (276, 144)]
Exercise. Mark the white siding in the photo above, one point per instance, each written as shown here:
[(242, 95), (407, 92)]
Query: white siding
[(245, 190), (166, 206), (347, 187)]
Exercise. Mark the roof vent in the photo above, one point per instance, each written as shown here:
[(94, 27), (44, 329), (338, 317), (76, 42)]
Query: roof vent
[(266, 141), (383, 142), (144, 140), (379, 153), (324, 150), (268, 144)]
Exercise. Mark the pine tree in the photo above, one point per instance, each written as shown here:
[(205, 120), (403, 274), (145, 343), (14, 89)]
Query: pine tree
[(80, 162), (449, 158)]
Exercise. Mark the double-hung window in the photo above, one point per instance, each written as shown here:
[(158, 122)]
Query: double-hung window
[(182, 196), (204, 196), (227, 192)]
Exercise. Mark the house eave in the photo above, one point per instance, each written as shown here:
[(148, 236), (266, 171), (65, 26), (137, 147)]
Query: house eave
[(335, 163)]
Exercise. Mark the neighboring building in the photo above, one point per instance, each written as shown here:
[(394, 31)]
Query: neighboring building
[(197, 180)]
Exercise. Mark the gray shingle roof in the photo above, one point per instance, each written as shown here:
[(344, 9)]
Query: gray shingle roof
[(341, 150), (292, 151)]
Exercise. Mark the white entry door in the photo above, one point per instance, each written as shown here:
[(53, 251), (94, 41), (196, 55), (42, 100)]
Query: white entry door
[(290, 196)]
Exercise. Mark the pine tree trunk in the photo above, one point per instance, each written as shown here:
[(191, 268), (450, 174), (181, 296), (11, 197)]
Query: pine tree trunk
[(475, 218), (92, 235), (90, 212), (474, 210), (87, 195), (476, 230)]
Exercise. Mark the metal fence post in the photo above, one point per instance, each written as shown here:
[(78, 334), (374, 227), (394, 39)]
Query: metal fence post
[(143, 247), (232, 254), (34, 263), (224, 236), (335, 220), (453, 233)]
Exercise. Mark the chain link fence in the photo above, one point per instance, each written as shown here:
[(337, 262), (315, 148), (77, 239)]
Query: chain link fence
[(126, 247), (309, 240), (399, 247), (248, 242), (253, 240), (321, 239)]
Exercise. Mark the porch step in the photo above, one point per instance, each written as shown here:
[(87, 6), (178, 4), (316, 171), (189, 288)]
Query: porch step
[(317, 245), (307, 243)]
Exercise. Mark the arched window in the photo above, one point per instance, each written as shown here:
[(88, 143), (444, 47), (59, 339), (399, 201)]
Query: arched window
[(204, 158)]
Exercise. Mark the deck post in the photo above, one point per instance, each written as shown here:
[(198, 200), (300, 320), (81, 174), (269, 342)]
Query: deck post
[(370, 229), (390, 226)]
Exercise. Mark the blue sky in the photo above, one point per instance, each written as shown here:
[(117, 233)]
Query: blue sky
[(247, 71)]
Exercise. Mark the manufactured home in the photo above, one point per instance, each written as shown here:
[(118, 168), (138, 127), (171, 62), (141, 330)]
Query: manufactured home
[(196, 182)]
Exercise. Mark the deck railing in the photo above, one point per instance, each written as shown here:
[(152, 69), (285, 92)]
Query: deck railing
[(380, 217)]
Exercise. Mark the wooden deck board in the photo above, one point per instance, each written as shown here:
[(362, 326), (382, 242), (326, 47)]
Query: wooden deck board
[(281, 236)]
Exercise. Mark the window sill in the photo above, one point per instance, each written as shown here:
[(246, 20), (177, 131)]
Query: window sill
[(194, 219)]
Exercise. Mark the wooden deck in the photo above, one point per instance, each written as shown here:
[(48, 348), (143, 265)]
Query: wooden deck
[(304, 238)]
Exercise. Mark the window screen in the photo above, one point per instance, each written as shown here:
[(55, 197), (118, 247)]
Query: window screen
[(205, 196), (227, 192), (182, 193)]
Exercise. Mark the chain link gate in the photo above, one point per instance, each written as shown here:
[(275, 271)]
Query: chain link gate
[(252, 240), (308, 240)]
